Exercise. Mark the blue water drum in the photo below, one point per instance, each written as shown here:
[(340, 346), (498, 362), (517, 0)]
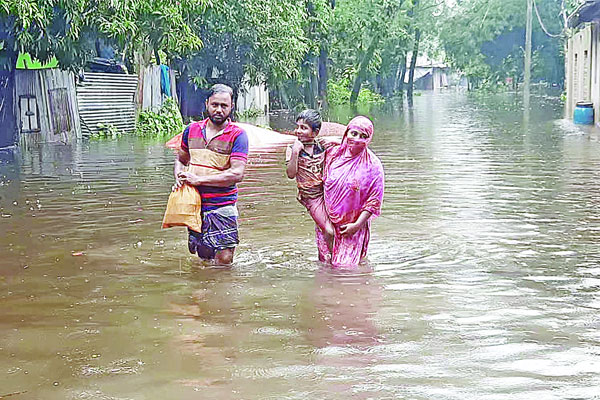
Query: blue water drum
[(584, 113)]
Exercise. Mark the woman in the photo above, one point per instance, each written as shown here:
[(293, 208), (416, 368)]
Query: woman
[(353, 186)]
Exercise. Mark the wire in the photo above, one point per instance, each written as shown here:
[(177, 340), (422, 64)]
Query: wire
[(542, 25)]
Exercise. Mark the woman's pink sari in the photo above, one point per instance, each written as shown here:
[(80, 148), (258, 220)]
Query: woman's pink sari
[(352, 184)]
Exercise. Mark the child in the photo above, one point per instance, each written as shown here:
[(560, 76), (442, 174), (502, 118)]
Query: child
[(305, 159)]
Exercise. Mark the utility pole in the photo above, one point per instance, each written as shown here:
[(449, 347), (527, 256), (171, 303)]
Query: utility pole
[(527, 72)]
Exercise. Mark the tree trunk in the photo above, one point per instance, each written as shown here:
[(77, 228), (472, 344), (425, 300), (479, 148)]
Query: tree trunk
[(309, 98), (322, 68), (413, 63), (400, 74), (314, 81), (362, 71), (284, 97)]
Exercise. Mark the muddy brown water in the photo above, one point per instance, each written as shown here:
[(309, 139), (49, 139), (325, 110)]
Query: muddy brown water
[(483, 280)]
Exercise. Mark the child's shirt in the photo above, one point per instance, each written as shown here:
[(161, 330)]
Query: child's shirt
[(309, 177)]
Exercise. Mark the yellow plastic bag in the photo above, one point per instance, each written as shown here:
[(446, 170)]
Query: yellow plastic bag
[(184, 209)]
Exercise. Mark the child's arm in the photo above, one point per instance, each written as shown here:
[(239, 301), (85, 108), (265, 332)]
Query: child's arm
[(292, 163)]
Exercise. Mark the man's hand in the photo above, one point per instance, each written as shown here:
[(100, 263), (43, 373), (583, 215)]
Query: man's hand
[(188, 178), (178, 183)]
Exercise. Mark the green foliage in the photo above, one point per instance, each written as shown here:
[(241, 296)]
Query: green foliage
[(261, 40), (485, 39), (166, 122), (106, 131), (374, 33), (67, 29), (338, 93), (249, 114), (284, 43)]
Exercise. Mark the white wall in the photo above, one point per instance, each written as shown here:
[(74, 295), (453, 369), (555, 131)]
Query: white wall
[(253, 97), (582, 65)]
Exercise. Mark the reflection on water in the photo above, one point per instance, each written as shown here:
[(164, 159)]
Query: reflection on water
[(482, 283)]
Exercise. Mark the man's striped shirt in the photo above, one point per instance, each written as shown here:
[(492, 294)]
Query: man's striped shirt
[(214, 157)]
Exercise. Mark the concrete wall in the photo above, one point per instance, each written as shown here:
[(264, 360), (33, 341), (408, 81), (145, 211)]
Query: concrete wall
[(582, 64), (440, 78)]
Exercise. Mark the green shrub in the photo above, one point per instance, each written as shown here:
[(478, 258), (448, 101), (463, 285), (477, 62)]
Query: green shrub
[(339, 92), (250, 113), (106, 131), (563, 96), (166, 122)]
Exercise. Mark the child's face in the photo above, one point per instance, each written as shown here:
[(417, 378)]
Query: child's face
[(304, 132)]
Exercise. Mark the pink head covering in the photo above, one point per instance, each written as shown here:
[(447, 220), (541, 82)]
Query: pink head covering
[(361, 124)]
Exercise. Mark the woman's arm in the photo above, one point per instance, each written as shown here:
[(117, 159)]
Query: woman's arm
[(352, 228)]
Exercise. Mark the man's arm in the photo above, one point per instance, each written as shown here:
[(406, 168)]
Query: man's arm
[(182, 158), (228, 177)]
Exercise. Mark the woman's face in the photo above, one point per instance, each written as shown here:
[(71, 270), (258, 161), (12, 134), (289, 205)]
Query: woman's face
[(357, 140)]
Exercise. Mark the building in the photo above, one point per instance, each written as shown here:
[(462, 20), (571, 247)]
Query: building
[(582, 61), (429, 74)]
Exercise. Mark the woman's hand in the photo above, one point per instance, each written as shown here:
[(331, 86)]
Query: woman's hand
[(189, 178), (349, 229)]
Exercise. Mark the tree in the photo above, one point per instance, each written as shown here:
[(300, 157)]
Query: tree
[(260, 40), (364, 30), (67, 29), (485, 39)]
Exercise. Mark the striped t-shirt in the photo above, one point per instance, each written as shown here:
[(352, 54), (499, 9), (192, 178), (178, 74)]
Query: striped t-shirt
[(214, 157), (309, 176)]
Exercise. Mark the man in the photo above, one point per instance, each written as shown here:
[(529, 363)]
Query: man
[(215, 152)]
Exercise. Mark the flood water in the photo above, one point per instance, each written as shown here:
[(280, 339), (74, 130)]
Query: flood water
[(483, 280)]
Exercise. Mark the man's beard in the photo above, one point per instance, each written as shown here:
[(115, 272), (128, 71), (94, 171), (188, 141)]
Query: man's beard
[(217, 120)]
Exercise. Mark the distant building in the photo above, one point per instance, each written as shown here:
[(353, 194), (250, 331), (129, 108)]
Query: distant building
[(429, 74), (582, 61), (45, 103)]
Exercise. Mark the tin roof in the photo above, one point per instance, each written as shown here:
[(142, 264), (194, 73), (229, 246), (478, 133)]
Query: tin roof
[(586, 12)]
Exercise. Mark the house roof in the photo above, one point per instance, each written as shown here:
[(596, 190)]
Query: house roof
[(586, 12), (425, 62)]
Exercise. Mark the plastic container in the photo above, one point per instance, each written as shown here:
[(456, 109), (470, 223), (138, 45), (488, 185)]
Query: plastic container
[(584, 113)]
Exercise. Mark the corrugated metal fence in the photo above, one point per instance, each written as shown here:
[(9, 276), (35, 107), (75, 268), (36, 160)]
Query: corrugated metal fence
[(107, 99)]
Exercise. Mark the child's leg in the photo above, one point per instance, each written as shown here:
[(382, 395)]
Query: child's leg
[(316, 209)]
